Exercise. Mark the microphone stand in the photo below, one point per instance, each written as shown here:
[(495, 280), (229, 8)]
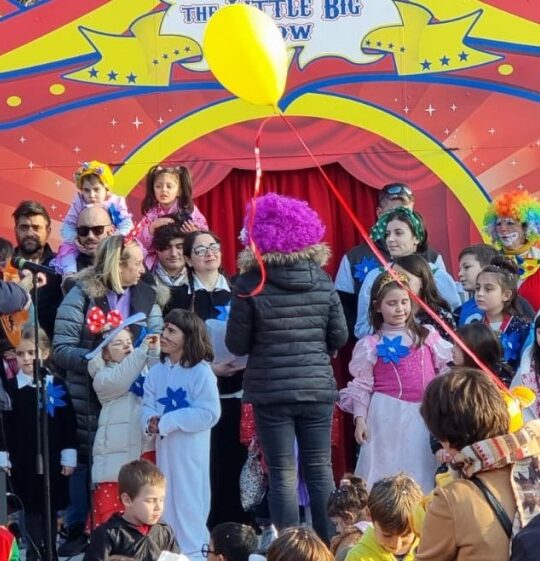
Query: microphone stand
[(42, 428)]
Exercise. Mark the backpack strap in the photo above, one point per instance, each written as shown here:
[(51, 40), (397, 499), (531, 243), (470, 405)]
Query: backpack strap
[(496, 506)]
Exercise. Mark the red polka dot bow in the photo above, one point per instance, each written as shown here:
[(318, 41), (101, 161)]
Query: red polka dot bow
[(97, 320)]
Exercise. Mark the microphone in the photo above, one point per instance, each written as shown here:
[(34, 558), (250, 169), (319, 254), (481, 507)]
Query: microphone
[(22, 263)]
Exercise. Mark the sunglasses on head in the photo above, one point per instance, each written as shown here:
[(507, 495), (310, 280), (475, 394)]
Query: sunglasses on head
[(83, 231), (201, 250), (397, 189)]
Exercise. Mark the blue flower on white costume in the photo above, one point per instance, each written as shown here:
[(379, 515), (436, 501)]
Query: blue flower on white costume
[(224, 312), (175, 399), (391, 350), (116, 217), (138, 386), (54, 394), (366, 265), (510, 344)]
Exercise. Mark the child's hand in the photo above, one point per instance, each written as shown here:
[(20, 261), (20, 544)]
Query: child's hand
[(159, 222), (443, 457), (361, 433), (152, 341), (66, 470), (225, 369), (152, 427), (189, 226)]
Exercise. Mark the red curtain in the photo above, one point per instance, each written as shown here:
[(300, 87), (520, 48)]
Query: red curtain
[(224, 208)]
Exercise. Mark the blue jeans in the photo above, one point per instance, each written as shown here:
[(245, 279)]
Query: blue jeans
[(77, 510), (277, 428)]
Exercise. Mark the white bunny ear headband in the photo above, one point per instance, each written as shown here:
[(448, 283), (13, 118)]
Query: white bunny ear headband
[(131, 320)]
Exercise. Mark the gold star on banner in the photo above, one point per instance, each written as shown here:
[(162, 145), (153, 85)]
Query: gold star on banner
[(133, 57), (420, 46)]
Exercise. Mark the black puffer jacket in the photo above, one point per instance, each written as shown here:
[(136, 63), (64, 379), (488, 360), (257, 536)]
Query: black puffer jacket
[(73, 340), (289, 329)]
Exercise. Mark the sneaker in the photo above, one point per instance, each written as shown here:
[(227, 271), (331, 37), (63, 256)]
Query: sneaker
[(268, 535)]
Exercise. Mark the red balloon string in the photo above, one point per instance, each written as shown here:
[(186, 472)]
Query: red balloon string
[(387, 266), (253, 207)]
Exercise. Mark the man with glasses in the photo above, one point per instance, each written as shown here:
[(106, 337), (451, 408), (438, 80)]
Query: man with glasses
[(32, 230), (359, 260), (93, 225)]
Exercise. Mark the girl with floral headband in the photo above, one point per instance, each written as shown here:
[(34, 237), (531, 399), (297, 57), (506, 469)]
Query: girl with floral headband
[(390, 370), (513, 223), (403, 233), (168, 198), (93, 181)]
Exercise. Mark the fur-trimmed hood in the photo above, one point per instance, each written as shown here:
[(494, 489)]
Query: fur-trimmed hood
[(92, 286), (318, 253)]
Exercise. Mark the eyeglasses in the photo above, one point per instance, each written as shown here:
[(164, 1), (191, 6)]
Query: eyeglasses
[(397, 190), (201, 250), (205, 550), (83, 231)]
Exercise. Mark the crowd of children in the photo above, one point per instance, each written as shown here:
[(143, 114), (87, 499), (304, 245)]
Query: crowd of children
[(415, 394)]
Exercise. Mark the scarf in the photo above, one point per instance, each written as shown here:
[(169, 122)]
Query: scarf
[(527, 263), (521, 450), (167, 280)]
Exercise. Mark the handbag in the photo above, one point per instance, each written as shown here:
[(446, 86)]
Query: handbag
[(252, 479)]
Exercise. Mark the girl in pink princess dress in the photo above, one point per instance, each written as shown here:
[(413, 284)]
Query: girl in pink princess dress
[(168, 197), (390, 370)]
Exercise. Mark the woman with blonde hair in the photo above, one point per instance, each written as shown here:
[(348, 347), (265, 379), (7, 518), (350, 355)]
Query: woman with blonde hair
[(103, 295)]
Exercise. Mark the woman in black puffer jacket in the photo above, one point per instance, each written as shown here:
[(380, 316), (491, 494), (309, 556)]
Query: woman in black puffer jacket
[(290, 329)]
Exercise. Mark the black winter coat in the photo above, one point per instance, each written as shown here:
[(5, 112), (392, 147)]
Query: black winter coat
[(118, 537), (289, 329)]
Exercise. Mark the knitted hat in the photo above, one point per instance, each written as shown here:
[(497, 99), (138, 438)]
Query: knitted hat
[(282, 225), (103, 171), (520, 206)]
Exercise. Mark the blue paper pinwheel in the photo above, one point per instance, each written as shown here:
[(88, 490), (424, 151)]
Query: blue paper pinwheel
[(175, 399), (55, 394), (223, 312), (391, 350), (138, 386), (366, 265), (510, 344)]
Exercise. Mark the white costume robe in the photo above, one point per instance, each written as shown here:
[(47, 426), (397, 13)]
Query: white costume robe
[(187, 401)]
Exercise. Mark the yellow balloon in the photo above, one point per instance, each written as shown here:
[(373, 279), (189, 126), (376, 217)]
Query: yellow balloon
[(246, 53)]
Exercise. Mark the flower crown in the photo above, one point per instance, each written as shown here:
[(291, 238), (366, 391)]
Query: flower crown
[(378, 232), (103, 171), (519, 205)]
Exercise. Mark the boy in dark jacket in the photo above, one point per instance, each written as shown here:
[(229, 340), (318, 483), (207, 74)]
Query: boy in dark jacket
[(137, 532)]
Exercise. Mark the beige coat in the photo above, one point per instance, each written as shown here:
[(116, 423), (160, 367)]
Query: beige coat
[(119, 437), (461, 526)]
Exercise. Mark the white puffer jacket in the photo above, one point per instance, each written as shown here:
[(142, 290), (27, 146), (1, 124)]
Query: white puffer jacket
[(119, 438)]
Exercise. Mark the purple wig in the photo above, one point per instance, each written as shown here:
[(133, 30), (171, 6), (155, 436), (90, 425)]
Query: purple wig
[(282, 225)]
